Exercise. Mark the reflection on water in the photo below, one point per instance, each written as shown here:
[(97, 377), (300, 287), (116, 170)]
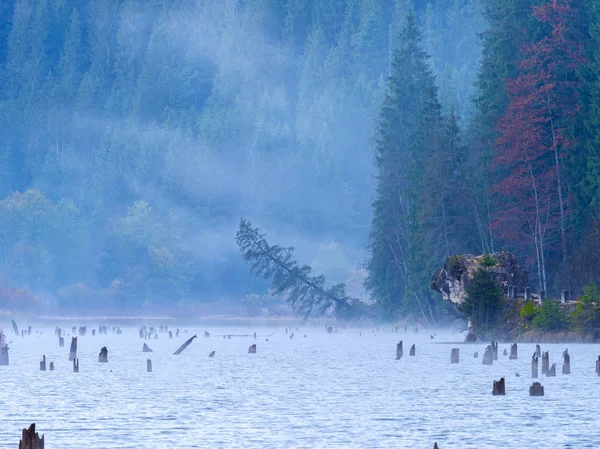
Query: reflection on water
[(336, 390)]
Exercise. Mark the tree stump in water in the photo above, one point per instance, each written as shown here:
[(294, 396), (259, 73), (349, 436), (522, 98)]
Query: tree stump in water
[(534, 365), (494, 346), (212, 354), (399, 351), (499, 387), (73, 350), (82, 331), (170, 334), (145, 348), (185, 345), (15, 328), (536, 389), (93, 332), (513, 352), (28, 330), (505, 353), (4, 350), (148, 365), (252, 349), (475, 354), (43, 363), (552, 371), (207, 334), (566, 368), (597, 366), (435, 446), (75, 365), (454, 356), (538, 351), (412, 351), (488, 356), (103, 356), (545, 362), (31, 439), (61, 342), (177, 333), (51, 366)]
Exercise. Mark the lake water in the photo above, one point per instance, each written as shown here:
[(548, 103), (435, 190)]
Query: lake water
[(340, 390)]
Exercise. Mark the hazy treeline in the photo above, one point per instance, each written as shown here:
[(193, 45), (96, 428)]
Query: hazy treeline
[(135, 133)]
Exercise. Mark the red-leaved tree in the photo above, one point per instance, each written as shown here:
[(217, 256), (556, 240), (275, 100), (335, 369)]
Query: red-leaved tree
[(535, 135)]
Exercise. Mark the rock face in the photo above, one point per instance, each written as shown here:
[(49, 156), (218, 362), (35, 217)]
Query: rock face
[(452, 279)]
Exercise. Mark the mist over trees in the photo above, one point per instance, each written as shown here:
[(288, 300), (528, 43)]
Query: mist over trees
[(378, 137)]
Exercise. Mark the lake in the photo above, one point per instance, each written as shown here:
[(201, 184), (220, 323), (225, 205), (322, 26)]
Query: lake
[(340, 390)]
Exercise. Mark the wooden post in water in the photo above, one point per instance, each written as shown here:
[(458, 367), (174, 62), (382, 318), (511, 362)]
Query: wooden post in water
[(536, 389), (513, 352), (534, 365), (413, 350), (28, 330), (538, 350), (504, 353), (146, 348), (75, 365), (170, 334), (185, 345), (566, 368), (597, 365), (73, 350), (4, 350), (545, 362), (252, 349), (31, 439), (488, 356), (399, 351), (454, 355), (148, 365), (494, 346), (499, 387), (435, 446), (61, 342), (212, 354), (43, 363), (51, 366), (207, 334), (15, 328), (103, 356), (552, 371), (475, 354)]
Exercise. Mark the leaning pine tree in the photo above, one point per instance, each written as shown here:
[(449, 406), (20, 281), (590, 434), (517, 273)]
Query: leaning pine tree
[(304, 292)]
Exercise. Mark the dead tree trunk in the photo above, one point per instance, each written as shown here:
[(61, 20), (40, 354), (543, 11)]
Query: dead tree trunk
[(212, 354), (454, 356), (51, 366), (552, 371), (252, 349), (399, 351), (536, 389), (413, 350), (538, 351), (185, 345), (505, 353), (566, 368), (43, 363), (488, 356), (103, 356), (534, 365), (207, 334), (545, 362), (513, 352), (73, 350), (499, 387), (148, 365), (146, 348), (170, 334), (61, 342), (4, 350), (75, 365), (31, 439), (494, 346)]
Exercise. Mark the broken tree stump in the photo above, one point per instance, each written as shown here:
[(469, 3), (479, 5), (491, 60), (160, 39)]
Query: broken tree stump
[(252, 349), (43, 363), (148, 365), (475, 354), (566, 368), (412, 352), (513, 352), (4, 350), (146, 348), (185, 345), (207, 334), (61, 342), (170, 334), (103, 356), (31, 439), (51, 366), (534, 365), (454, 356), (538, 351), (505, 353), (552, 371), (28, 330), (545, 362), (82, 331), (499, 387), (93, 332), (399, 351), (75, 365), (73, 350), (598, 366), (536, 389), (212, 354), (488, 356), (494, 346), (15, 328), (435, 446)]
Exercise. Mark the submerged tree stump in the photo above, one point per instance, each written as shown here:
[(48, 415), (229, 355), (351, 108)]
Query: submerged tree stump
[(552, 371), (170, 334), (488, 356), (103, 356), (43, 363), (505, 353), (148, 365), (454, 356), (534, 365), (31, 439), (513, 352), (185, 345), (82, 331), (93, 332), (536, 389), (499, 387), (51, 366), (146, 348), (252, 349), (598, 366), (61, 342), (73, 350), (545, 362), (212, 354), (494, 346), (4, 350), (207, 334), (399, 351), (475, 354), (177, 333), (76, 365), (435, 446), (566, 368), (538, 351), (413, 350)]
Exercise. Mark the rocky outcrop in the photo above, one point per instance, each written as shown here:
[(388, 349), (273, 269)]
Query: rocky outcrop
[(457, 272)]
